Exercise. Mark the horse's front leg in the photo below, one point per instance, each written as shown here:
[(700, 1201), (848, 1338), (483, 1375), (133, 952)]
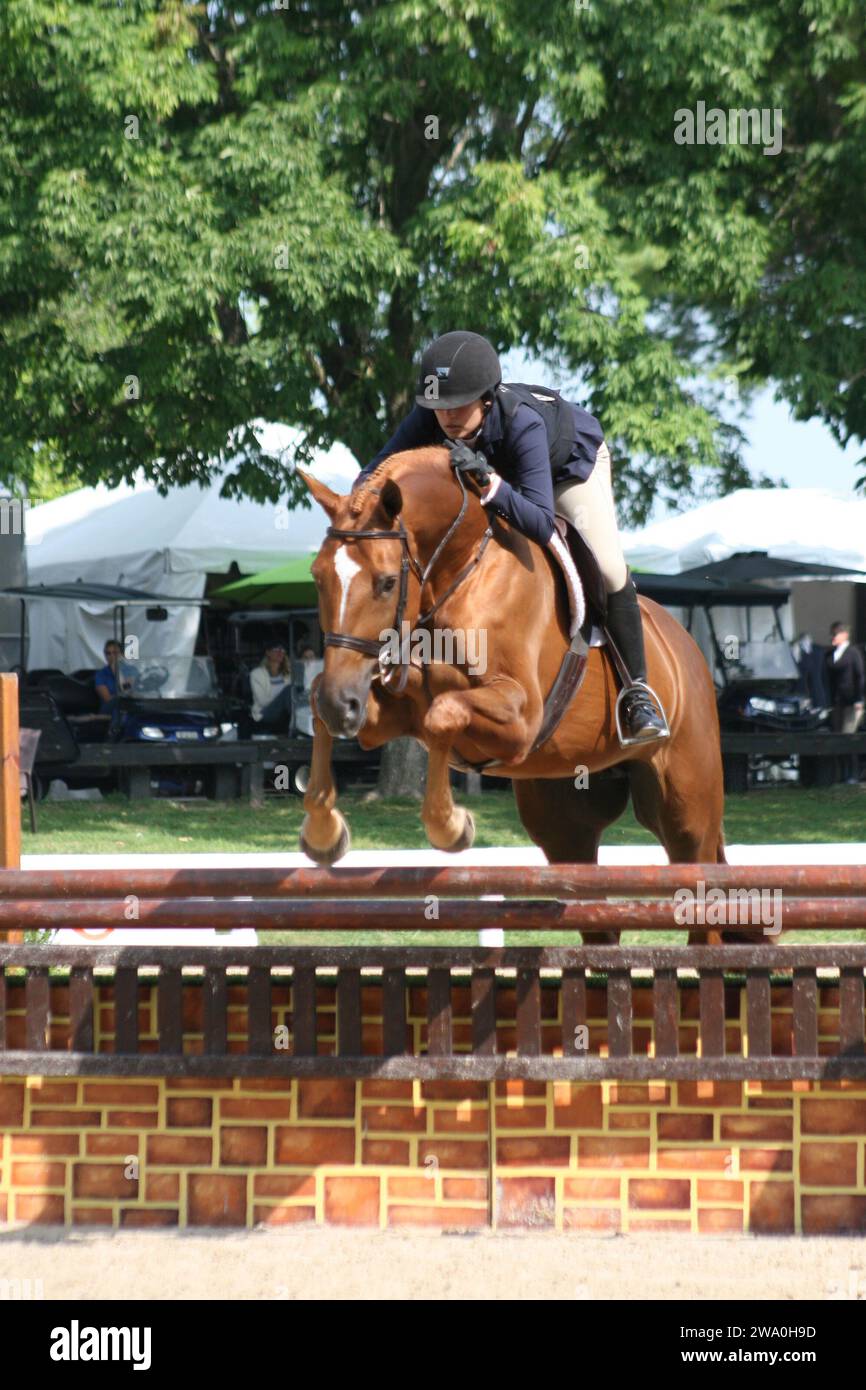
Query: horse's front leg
[(324, 832), (495, 713)]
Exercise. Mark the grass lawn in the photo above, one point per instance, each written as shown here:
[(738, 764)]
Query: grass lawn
[(115, 825)]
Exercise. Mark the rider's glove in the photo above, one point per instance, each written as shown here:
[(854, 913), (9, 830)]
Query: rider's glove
[(465, 460)]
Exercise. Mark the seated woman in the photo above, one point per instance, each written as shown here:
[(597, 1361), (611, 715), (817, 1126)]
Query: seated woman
[(271, 685), (110, 682)]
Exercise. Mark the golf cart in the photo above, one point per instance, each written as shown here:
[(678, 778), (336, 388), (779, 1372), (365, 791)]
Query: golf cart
[(758, 686)]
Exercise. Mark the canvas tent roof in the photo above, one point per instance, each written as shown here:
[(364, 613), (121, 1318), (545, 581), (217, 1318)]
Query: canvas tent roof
[(132, 536), (810, 525)]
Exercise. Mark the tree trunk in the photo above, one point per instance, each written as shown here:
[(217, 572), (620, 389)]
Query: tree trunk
[(403, 769)]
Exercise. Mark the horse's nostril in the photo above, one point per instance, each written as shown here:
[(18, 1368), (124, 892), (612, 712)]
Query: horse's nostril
[(352, 706)]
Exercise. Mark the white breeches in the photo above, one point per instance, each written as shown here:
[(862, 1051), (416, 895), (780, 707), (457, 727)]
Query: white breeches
[(589, 507)]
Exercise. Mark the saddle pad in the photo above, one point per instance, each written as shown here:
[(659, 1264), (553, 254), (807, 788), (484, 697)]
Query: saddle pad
[(574, 588)]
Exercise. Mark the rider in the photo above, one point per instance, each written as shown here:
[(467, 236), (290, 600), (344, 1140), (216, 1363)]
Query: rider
[(546, 456)]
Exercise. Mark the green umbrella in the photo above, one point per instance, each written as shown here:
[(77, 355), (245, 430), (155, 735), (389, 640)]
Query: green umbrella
[(284, 586)]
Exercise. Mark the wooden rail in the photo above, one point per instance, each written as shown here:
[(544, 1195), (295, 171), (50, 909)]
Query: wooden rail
[(534, 1013)]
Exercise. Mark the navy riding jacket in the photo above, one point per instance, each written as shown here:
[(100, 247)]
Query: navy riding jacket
[(517, 448)]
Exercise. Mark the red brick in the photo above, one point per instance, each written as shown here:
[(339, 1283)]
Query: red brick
[(828, 1165), (179, 1149), (547, 1150), (217, 1199), (525, 1202), (612, 1153), (591, 1219), (833, 1116), (274, 1084), (65, 1119), (189, 1112), (409, 1187), (380, 1088), (710, 1094), (308, 1146), (206, 1083), (351, 1201), (639, 1093), (283, 1216), (245, 1145), (92, 1216), (162, 1187), (444, 1218), (771, 1208), (385, 1151), (766, 1160), (3, 1207), (719, 1190), (466, 1119), (465, 1189), (103, 1180), (591, 1189), (629, 1119), (117, 1145), (39, 1209), (704, 1159), (757, 1127), (151, 1218), (38, 1174), (577, 1105), (685, 1127), (719, 1220), (48, 1144), (455, 1153), (513, 1117), (518, 1089), (132, 1119), (334, 1099), (54, 1093), (400, 1118), (284, 1185), (231, 1109), (838, 1213), (659, 1193), (120, 1093)]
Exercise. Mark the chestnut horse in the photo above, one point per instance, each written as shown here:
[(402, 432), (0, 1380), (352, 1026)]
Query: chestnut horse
[(579, 780)]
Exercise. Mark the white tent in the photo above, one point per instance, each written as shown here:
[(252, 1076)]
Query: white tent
[(807, 524), (132, 536)]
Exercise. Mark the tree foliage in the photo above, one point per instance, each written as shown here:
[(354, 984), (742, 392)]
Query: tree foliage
[(213, 213)]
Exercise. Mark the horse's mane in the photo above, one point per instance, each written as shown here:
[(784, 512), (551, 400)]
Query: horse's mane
[(386, 469)]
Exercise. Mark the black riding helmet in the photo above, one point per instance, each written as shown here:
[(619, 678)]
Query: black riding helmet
[(456, 369)]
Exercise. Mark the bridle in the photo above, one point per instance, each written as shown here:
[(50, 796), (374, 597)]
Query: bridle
[(371, 646)]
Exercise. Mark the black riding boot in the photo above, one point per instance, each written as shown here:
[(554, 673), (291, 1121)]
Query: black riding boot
[(643, 718)]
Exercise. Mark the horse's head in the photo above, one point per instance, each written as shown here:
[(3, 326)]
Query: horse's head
[(368, 574)]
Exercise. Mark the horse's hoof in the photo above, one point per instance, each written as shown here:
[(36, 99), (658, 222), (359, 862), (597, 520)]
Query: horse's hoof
[(327, 857), (466, 838)]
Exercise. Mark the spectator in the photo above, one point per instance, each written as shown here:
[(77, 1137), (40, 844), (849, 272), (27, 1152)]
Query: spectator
[(271, 685), (110, 681), (811, 663), (846, 679)]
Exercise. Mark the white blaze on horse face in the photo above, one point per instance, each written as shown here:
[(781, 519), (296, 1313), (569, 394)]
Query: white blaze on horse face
[(346, 569)]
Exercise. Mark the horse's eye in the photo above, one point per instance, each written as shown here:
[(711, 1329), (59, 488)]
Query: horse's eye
[(386, 584)]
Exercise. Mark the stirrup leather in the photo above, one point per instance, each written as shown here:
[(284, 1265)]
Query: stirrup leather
[(626, 742)]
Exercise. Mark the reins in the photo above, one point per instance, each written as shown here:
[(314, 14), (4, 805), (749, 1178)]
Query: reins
[(370, 646)]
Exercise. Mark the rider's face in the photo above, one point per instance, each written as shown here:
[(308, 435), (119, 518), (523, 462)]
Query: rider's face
[(461, 422)]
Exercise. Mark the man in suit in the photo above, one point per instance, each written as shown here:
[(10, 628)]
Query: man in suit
[(846, 679)]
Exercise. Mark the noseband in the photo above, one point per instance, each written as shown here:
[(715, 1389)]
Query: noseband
[(370, 646)]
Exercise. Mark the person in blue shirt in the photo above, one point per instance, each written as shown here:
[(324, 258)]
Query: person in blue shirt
[(110, 681), (544, 456)]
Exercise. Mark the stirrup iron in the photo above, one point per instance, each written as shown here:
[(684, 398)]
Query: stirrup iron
[(625, 742)]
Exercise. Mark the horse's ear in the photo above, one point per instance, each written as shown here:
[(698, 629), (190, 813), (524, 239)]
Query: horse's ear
[(327, 499), (391, 500)]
